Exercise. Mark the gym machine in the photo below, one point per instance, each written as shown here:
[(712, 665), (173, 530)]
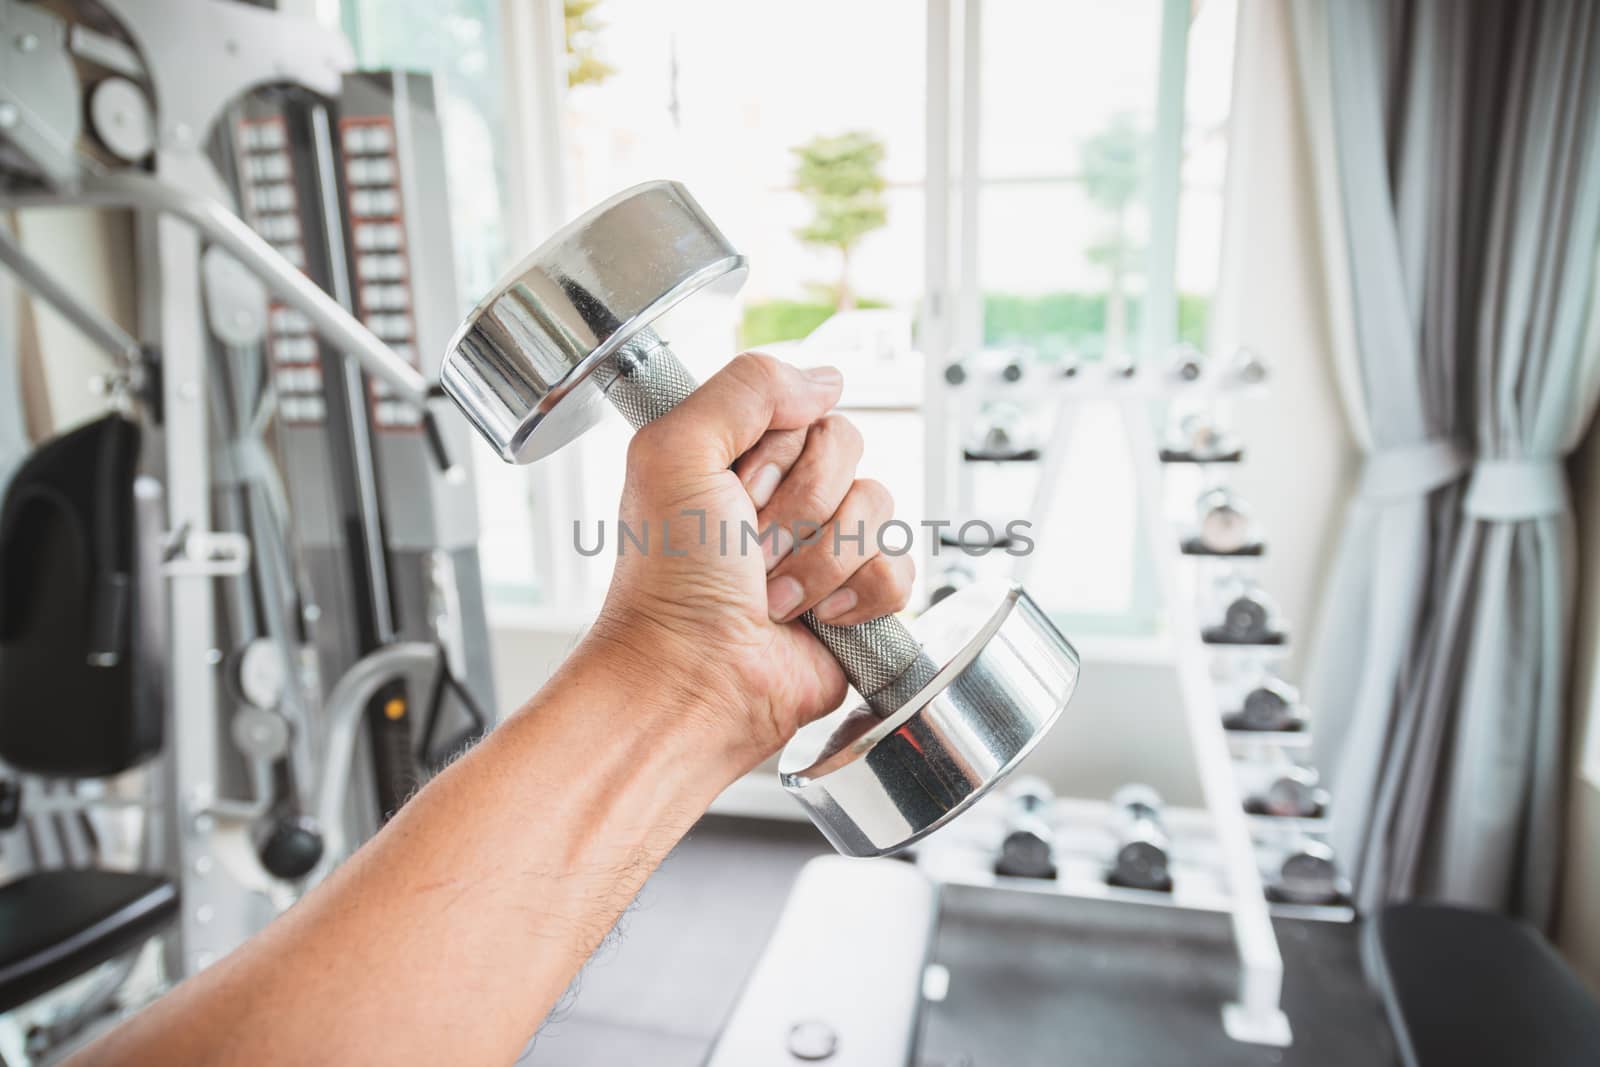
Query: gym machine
[(326, 643)]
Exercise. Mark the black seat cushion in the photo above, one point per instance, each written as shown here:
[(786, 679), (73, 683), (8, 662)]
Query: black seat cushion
[(71, 694), (1468, 988), (54, 925)]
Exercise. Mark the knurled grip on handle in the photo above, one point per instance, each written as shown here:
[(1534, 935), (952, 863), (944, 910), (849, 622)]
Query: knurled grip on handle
[(644, 381)]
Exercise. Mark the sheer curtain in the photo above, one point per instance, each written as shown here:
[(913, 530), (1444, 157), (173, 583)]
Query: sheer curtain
[(1457, 154)]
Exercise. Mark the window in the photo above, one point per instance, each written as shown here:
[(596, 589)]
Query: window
[(734, 97), (698, 91), (1087, 148)]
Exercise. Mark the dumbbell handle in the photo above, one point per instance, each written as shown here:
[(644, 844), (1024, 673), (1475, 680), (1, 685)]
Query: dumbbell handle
[(881, 658)]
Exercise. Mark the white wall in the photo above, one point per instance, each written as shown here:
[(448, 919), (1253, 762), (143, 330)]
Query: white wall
[(1299, 455), (90, 251)]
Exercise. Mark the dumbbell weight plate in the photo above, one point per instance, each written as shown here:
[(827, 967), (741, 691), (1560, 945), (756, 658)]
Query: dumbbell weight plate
[(1309, 875), (1223, 528), (566, 309), (1294, 795), (874, 785)]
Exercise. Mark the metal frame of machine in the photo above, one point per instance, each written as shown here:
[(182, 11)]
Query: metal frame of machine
[(172, 82)]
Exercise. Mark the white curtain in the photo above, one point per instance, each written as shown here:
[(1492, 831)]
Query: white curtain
[(1457, 153)]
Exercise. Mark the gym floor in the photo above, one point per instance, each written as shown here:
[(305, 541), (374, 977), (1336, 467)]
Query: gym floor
[(1034, 979)]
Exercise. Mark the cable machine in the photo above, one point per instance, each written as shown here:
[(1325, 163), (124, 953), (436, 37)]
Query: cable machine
[(325, 640)]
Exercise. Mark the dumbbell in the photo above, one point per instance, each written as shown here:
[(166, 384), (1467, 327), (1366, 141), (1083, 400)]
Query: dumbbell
[(1196, 438), (1248, 616), (1293, 793), (1246, 367), (1002, 433), (1307, 874), (1222, 526), (1270, 707), (1185, 363), (954, 578), (1144, 851), (1028, 849), (951, 703)]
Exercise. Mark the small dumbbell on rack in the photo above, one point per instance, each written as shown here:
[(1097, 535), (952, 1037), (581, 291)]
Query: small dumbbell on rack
[(1306, 872), (1143, 856), (1291, 792), (1185, 364), (1245, 368), (1271, 705), (1223, 527), (951, 580), (1197, 437), (1242, 614), (1028, 848), (1002, 434)]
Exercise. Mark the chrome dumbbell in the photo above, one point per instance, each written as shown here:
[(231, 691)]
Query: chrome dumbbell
[(1245, 615), (1272, 705), (1223, 526), (1307, 874), (950, 704), (952, 580), (1002, 435), (1185, 363), (1292, 793), (1028, 848), (1012, 366), (1143, 859), (1245, 367), (1197, 438)]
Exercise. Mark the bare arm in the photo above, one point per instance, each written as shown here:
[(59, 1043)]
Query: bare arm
[(448, 937)]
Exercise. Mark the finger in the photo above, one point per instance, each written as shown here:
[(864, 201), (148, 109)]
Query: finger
[(881, 586), (764, 466), (822, 563), (723, 418), (814, 487)]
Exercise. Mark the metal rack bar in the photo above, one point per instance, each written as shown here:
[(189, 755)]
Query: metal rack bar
[(1256, 1016)]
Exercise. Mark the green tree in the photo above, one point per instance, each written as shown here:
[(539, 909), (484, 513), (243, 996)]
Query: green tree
[(841, 177), (584, 67), (1113, 164)]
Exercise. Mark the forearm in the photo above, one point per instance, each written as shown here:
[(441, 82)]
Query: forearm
[(508, 870)]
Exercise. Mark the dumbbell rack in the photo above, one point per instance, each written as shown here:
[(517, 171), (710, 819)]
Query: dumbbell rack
[(1255, 1016)]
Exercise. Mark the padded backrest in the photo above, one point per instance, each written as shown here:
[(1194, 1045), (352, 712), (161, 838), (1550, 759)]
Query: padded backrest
[(73, 699), (1467, 988)]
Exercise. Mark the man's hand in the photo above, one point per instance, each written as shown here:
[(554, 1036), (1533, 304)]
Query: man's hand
[(705, 615)]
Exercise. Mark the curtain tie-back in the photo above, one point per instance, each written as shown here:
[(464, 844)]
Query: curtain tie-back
[(1406, 471), (1512, 490)]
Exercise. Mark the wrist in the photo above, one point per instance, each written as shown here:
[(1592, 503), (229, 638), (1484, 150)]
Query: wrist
[(671, 698)]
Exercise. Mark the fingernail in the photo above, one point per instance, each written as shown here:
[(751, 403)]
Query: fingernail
[(778, 547), (783, 596), (763, 484), (835, 604), (828, 376)]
